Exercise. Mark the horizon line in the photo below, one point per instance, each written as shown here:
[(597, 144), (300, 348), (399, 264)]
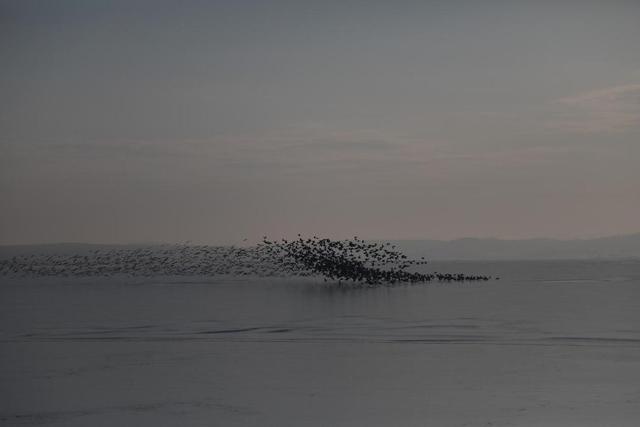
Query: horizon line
[(240, 243)]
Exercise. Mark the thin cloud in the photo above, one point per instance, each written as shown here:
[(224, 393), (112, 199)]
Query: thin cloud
[(615, 109)]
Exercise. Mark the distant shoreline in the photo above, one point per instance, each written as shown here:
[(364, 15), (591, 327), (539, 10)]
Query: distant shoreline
[(625, 247)]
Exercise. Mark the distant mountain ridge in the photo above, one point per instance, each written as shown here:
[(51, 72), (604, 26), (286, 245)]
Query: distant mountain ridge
[(613, 247)]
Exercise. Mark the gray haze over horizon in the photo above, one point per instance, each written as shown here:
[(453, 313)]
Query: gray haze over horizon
[(148, 121)]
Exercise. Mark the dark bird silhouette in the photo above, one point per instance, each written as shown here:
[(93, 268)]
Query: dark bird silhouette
[(353, 261)]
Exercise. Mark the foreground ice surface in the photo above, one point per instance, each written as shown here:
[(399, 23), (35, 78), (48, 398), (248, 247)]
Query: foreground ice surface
[(551, 344)]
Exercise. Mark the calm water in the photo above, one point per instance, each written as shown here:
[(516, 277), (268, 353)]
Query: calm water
[(551, 343)]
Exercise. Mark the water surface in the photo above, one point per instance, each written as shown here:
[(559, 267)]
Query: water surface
[(550, 343)]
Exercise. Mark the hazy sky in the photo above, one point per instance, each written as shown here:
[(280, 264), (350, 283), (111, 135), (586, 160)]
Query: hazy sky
[(138, 121)]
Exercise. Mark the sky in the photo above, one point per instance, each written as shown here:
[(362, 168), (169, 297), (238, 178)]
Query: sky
[(216, 121)]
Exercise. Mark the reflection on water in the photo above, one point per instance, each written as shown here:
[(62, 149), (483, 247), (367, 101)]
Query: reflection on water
[(535, 303), (550, 344)]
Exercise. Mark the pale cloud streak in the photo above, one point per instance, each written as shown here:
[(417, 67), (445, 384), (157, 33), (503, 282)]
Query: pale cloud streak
[(614, 109)]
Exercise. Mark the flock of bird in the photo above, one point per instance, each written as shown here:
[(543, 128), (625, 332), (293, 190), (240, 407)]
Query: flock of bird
[(352, 261), (160, 260), (355, 261)]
